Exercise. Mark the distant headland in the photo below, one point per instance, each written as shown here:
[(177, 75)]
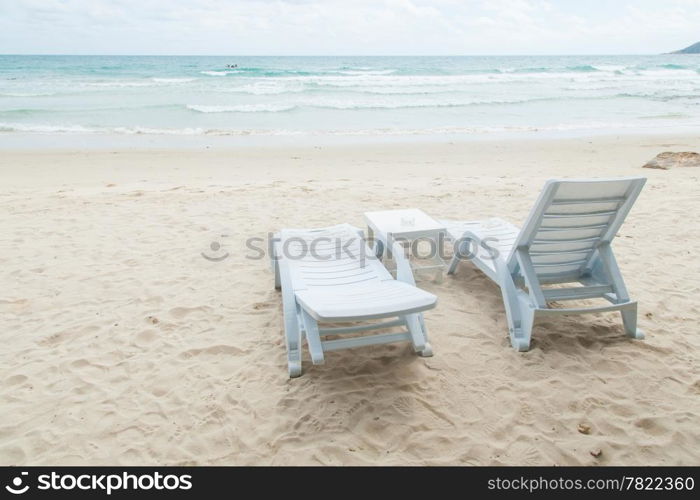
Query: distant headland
[(693, 49)]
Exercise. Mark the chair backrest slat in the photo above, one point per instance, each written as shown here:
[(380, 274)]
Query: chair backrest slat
[(333, 256), (569, 221)]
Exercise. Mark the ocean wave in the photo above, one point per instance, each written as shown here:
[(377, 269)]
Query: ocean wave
[(83, 109), (241, 108), (349, 105), (347, 81), (658, 96), (259, 72), (389, 104), (26, 94), (217, 73), (137, 130), (25, 111), (396, 83), (560, 127), (360, 68), (613, 68), (173, 80), (121, 84), (584, 68), (655, 74), (46, 129), (79, 129), (146, 82), (528, 70), (266, 88), (368, 72), (666, 116)]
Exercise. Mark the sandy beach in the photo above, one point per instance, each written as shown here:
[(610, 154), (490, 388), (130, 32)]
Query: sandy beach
[(123, 345)]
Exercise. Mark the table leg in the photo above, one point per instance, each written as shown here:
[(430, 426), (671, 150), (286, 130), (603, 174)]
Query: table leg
[(377, 245)]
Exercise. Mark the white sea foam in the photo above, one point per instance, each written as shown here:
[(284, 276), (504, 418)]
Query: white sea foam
[(173, 80), (46, 129), (218, 73), (27, 94), (79, 129), (610, 67), (379, 81), (122, 84), (242, 108), (367, 72), (274, 87), (669, 74), (197, 131), (357, 104)]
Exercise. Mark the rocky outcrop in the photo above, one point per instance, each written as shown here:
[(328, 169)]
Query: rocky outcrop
[(667, 160), (693, 49)]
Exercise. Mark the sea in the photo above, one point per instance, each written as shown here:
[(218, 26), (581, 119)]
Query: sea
[(237, 96)]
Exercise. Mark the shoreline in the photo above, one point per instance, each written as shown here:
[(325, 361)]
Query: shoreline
[(21, 141)]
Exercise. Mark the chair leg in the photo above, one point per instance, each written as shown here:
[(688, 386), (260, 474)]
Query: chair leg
[(419, 336), (452, 268), (292, 334), (629, 320), (519, 313), (521, 333), (313, 338), (294, 362), (292, 329)]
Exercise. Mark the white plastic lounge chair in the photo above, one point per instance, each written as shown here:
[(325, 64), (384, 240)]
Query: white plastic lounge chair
[(331, 275), (565, 239)]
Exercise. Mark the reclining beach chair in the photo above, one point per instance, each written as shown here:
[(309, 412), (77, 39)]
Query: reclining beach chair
[(331, 276), (565, 239)]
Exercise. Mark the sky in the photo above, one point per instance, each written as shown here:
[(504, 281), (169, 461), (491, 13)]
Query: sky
[(347, 27)]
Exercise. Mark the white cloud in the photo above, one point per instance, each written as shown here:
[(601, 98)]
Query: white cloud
[(346, 27)]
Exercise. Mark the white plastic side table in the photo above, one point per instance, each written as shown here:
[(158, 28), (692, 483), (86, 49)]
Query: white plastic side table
[(405, 226)]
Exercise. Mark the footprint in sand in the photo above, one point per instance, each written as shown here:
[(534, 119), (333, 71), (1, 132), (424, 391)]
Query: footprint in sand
[(159, 391), (309, 423), (80, 363), (214, 350), (54, 339), (262, 306), (526, 414), (181, 312), (651, 426), (12, 455), (404, 406), (529, 456), (146, 337), (15, 305), (15, 380), (695, 387)]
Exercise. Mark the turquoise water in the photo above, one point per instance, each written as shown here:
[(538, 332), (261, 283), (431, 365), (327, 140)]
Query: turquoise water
[(347, 95)]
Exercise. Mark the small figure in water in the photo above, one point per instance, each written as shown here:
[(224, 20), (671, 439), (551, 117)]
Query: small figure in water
[(232, 66)]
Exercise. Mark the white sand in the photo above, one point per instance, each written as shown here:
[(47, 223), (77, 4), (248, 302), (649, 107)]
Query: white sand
[(122, 345)]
